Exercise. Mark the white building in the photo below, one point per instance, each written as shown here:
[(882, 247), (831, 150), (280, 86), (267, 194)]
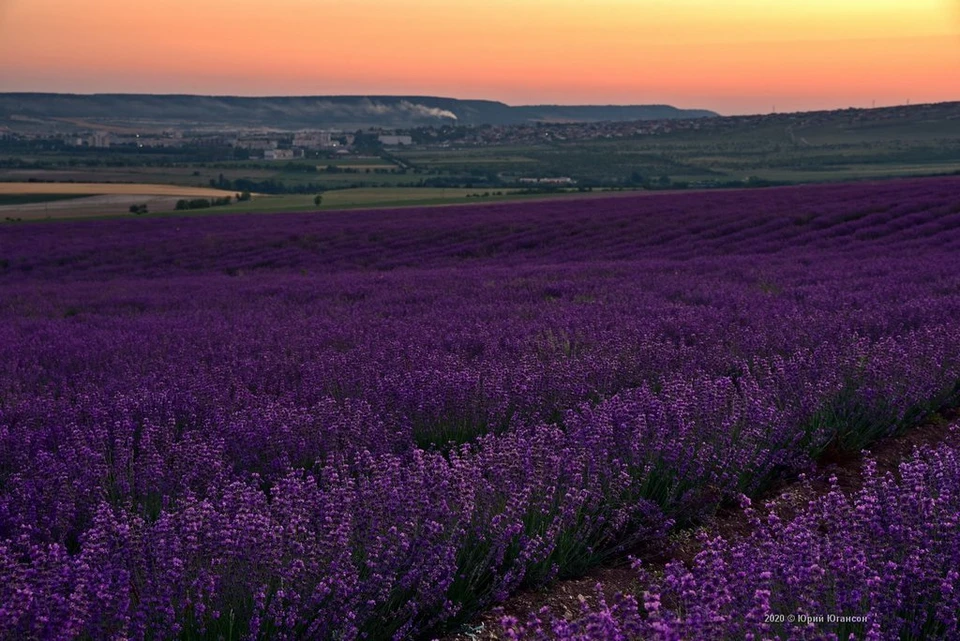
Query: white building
[(563, 180), (312, 139), (98, 139), (279, 154)]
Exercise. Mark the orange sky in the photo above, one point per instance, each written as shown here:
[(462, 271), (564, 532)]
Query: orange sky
[(734, 56)]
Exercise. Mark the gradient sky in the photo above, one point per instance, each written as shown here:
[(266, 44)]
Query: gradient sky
[(734, 56)]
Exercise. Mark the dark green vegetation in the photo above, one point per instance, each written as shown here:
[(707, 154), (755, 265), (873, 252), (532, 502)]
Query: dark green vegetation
[(200, 203), (28, 199), (47, 163)]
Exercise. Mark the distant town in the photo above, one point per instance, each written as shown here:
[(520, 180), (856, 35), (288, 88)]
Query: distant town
[(274, 144), (280, 143)]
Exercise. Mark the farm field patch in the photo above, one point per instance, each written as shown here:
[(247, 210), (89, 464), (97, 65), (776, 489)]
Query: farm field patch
[(361, 166), (38, 201), (99, 189), (29, 199), (405, 197), (356, 198)]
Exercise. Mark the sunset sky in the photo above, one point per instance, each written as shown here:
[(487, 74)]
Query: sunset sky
[(733, 56)]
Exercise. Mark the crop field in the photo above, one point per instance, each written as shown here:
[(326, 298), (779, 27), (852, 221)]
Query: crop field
[(365, 197), (366, 425), (199, 175), (189, 176), (39, 201), (112, 189), (31, 199), (368, 165), (55, 206)]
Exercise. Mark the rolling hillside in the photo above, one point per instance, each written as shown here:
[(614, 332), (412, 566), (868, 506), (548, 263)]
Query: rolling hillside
[(296, 112)]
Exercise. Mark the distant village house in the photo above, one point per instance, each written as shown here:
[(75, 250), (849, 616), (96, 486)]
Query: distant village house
[(563, 180), (313, 140), (282, 154)]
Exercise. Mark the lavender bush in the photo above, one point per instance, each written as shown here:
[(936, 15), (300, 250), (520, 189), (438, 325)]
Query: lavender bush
[(371, 425), (879, 564)]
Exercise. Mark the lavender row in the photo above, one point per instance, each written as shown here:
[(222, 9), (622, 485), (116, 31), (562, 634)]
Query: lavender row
[(440, 355), (879, 564), (280, 387), (905, 217)]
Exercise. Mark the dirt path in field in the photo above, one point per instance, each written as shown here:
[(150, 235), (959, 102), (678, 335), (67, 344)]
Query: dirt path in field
[(566, 597)]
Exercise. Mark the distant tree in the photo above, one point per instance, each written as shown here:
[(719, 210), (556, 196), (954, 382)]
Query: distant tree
[(317, 200)]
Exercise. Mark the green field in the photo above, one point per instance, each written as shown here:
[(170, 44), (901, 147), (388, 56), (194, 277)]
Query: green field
[(29, 199), (361, 198), (371, 197)]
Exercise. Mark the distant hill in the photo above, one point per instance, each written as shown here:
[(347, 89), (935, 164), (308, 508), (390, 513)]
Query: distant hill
[(615, 113), (308, 111)]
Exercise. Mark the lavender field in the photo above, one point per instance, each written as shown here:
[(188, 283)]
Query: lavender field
[(373, 425)]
